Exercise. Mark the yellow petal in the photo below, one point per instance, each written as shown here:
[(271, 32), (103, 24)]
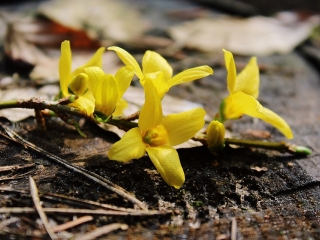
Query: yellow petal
[(79, 85), (95, 61), (183, 126), (154, 62), (65, 63), (129, 147), (158, 81), (151, 112), (190, 75), (231, 68), (85, 103), (124, 77), (107, 95), (95, 76), (120, 107), (167, 162), (128, 60), (239, 103), (248, 80)]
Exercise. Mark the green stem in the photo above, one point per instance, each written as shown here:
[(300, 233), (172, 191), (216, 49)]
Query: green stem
[(278, 146), (10, 104)]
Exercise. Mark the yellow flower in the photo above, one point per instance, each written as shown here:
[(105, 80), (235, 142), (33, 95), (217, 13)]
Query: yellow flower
[(244, 89), (154, 66), (108, 89), (76, 82), (156, 135)]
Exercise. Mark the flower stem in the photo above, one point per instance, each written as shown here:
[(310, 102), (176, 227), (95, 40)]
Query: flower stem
[(61, 109), (278, 146)]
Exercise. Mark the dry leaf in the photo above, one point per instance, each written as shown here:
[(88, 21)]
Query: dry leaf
[(252, 36), (105, 20)]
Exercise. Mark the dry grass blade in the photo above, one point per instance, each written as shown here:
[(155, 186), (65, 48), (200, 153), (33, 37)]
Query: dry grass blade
[(138, 213), (71, 224), (36, 200), (94, 177), (102, 231), (233, 229)]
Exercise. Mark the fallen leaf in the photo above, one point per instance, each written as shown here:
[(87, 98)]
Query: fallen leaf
[(106, 20), (251, 36)]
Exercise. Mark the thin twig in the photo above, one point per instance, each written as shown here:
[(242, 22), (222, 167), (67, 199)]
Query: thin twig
[(36, 200), (15, 167), (95, 177), (88, 203), (17, 176), (74, 201), (138, 213), (71, 224), (102, 231)]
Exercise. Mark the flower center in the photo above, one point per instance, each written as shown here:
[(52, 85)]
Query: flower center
[(156, 136)]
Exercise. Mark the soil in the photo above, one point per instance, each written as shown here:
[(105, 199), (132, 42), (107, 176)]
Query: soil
[(270, 195)]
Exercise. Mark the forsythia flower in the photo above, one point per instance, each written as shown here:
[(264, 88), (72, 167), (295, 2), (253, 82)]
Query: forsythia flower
[(156, 67), (108, 89), (76, 82), (156, 135), (244, 89)]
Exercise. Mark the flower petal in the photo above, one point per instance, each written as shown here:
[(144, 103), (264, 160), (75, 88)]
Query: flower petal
[(129, 147), (95, 61), (79, 85), (65, 63), (248, 80), (158, 81), (128, 60), (240, 103), (154, 62), (120, 107), (95, 75), (124, 77), (183, 126), (231, 68), (151, 112), (167, 162), (85, 103), (107, 95), (190, 75)]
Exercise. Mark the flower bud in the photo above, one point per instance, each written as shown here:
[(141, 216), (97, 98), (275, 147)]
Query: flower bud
[(79, 85), (215, 136)]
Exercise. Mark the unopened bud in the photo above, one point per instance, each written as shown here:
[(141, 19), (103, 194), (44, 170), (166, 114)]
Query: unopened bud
[(79, 85), (215, 136)]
